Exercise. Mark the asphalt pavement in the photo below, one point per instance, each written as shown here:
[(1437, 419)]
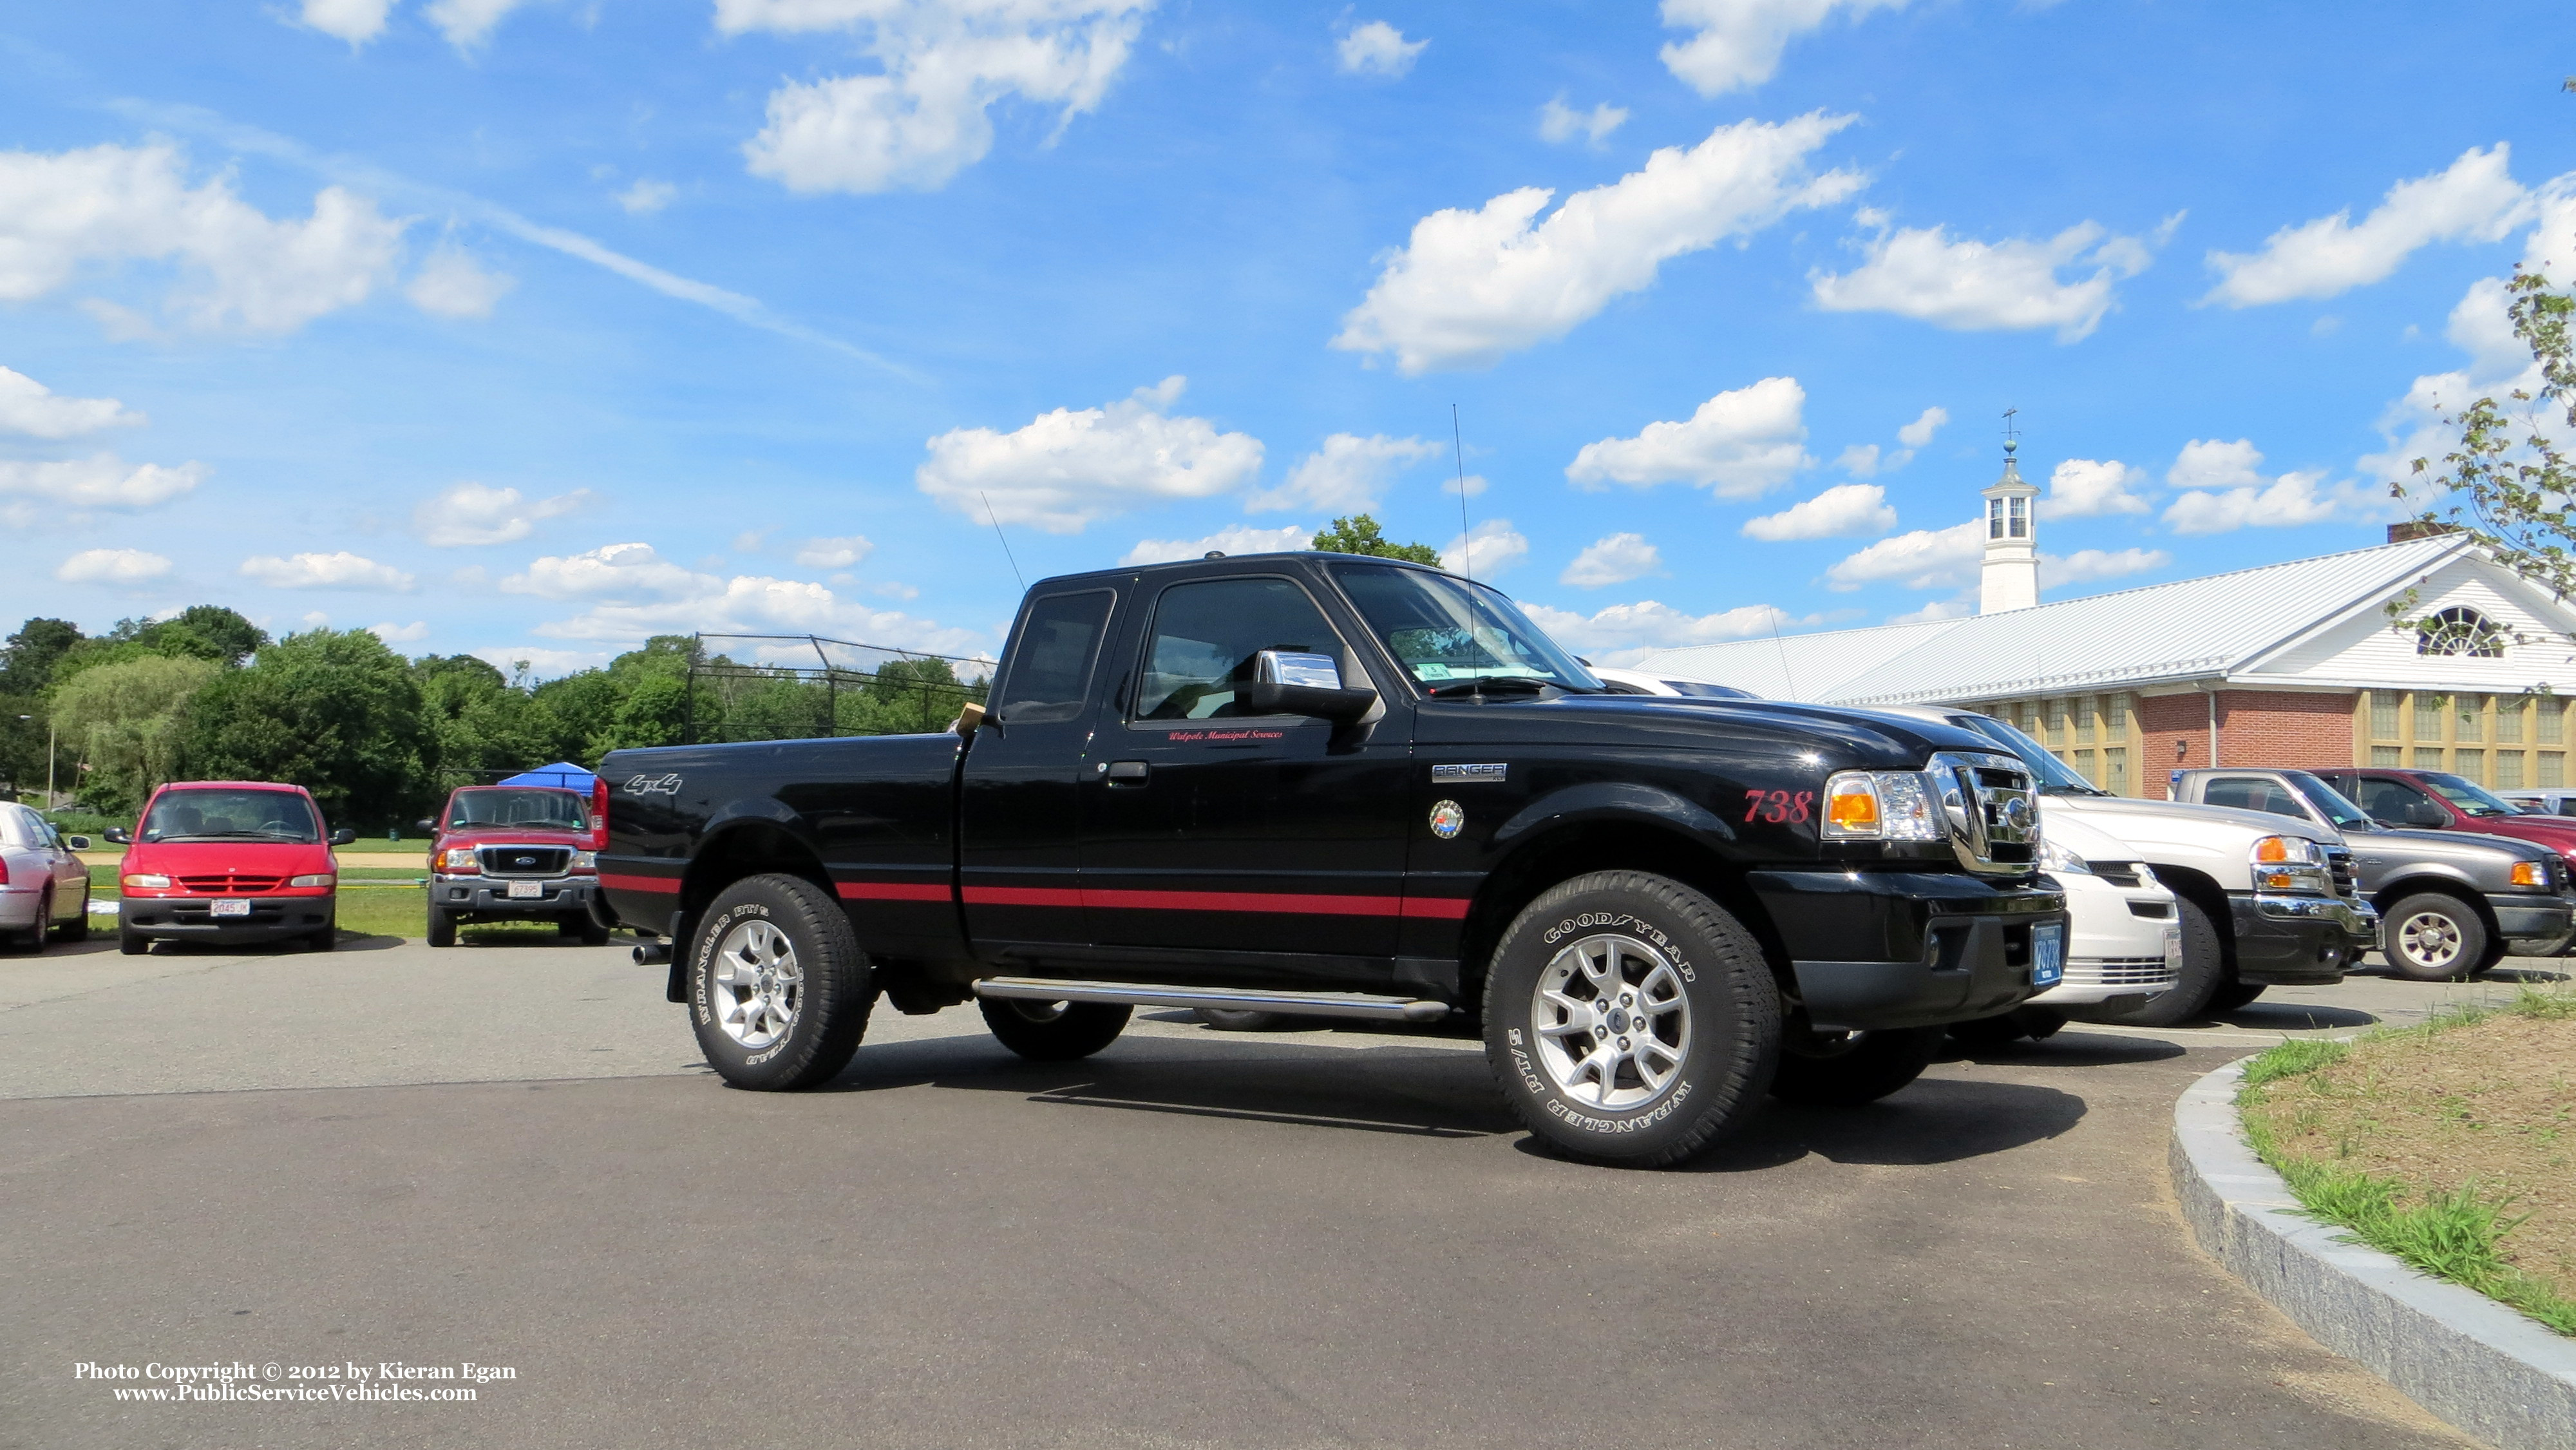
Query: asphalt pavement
[(512, 1156)]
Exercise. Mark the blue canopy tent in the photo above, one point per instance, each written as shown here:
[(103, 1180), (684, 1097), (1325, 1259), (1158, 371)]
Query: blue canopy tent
[(562, 773)]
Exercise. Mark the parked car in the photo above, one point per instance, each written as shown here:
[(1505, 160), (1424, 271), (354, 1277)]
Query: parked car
[(44, 888), (515, 853), (1639, 682), (1337, 785), (2551, 801), (2263, 900), (2124, 942), (2434, 800), (2450, 903), (229, 861)]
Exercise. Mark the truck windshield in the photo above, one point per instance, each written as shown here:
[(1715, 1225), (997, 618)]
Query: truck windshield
[(2334, 804), (535, 808), (2056, 777), (231, 815), (2471, 800), (1455, 636)]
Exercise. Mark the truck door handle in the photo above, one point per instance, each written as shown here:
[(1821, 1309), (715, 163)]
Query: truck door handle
[(1127, 772)]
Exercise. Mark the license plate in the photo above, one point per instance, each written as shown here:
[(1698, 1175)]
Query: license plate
[(2047, 955), (527, 891), (234, 907)]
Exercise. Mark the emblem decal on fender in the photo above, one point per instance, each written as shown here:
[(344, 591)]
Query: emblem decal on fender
[(1469, 772), (647, 785), (1447, 819)]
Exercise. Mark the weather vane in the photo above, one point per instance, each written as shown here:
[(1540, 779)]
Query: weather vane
[(2011, 433)]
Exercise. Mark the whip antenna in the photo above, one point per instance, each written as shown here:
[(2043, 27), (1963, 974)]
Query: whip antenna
[(1006, 543), (1466, 542)]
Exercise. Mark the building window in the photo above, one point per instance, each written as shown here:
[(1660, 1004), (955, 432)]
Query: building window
[(2472, 711), (2115, 717), (2383, 714), (2471, 763), (2508, 770), (2509, 710), (2056, 724), (2428, 716), (2085, 708), (2428, 757), (2021, 520), (2084, 766), (2115, 770), (2386, 755), (1994, 518), (2553, 769), (2460, 630), (2553, 720)]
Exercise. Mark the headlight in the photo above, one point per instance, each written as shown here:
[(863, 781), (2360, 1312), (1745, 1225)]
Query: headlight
[(2531, 873), (461, 858), (585, 860), (2054, 857), (2290, 863), (1880, 805), (323, 879), (147, 882)]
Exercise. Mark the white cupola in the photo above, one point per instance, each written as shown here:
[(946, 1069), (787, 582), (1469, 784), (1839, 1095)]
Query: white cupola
[(2011, 578)]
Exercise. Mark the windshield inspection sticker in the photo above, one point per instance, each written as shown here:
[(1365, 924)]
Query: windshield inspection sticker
[(1447, 819), (1469, 772)]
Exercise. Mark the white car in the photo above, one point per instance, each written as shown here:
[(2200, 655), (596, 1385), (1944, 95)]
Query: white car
[(1638, 682), (44, 888), (2125, 936)]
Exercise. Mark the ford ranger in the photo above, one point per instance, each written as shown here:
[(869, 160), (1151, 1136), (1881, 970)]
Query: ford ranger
[(1330, 785)]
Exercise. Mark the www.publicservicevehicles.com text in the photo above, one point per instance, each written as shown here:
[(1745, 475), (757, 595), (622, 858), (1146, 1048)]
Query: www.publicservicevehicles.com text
[(384, 1381)]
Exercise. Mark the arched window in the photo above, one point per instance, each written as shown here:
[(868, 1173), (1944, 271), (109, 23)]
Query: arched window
[(2460, 630)]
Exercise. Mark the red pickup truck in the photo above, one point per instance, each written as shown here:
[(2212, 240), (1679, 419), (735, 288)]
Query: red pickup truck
[(516, 853)]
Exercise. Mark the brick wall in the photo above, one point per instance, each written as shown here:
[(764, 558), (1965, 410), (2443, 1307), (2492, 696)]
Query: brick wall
[(2293, 730)]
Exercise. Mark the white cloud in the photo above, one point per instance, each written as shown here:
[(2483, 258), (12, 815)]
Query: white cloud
[(103, 481), (1972, 286), (1937, 609), (1558, 121), (542, 663), (2083, 488), (468, 23), (339, 570), (1240, 539), (1070, 467), (1348, 474), (1738, 443), (112, 566), (1840, 511), (355, 21), (623, 573), (1740, 41), (392, 633), (29, 407), (1471, 286), (108, 204), (1923, 559), (452, 284), (1485, 550), (471, 513), (1624, 633), (2226, 492), (841, 553), (2474, 199), (927, 115), (2088, 564), (1919, 432), (1860, 460), (1473, 485), (750, 604), (1614, 560), (647, 196), (1377, 49)]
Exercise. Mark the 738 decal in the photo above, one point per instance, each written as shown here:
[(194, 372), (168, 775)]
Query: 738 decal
[(1779, 807)]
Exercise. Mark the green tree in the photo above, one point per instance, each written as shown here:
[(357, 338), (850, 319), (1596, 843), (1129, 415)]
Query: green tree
[(130, 723), (1359, 534), (654, 712), (334, 711), (482, 722), (2509, 484), (27, 659), (916, 696), (207, 632)]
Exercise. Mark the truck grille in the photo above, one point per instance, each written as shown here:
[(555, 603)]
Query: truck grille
[(2118, 873), (1993, 811), (524, 860), (2339, 864), (231, 885), (2151, 973)]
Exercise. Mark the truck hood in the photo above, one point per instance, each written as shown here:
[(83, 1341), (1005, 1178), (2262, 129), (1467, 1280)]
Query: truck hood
[(2451, 842), (2144, 823), (514, 835), (1847, 739)]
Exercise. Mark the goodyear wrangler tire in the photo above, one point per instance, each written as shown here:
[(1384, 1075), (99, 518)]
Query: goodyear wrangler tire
[(779, 991), (1630, 1020)]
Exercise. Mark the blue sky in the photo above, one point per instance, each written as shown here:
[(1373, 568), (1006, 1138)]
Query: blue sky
[(528, 328)]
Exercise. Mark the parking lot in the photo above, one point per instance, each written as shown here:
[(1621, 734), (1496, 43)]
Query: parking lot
[(512, 1156)]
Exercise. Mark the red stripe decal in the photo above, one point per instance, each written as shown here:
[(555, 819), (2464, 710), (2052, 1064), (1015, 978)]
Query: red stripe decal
[(892, 890), (667, 884), (1436, 908), (1021, 896)]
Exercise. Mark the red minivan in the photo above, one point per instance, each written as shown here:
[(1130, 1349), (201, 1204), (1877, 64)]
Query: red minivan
[(231, 862)]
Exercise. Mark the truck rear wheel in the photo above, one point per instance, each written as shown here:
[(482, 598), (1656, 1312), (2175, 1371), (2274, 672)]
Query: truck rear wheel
[(2204, 973), (2432, 937), (779, 991), (1630, 1019), (1054, 1031)]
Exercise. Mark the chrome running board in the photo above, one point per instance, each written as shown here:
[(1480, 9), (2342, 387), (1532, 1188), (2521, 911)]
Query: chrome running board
[(1305, 1004)]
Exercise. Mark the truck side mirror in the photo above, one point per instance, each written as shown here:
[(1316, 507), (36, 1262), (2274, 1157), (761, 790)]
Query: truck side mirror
[(1291, 682), (115, 835), (344, 837), (425, 827), (2428, 816), (77, 843)]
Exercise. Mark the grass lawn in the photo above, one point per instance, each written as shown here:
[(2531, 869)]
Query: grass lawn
[(2451, 1145)]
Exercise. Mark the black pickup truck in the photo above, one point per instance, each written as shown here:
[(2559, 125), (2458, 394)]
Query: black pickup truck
[(1322, 784)]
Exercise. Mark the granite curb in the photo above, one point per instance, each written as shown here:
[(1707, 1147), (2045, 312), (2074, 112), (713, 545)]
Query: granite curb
[(2470, 1361)]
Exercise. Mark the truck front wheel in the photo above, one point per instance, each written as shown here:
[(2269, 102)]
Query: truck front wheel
[(779, 991), (2430, 937), (1630, 1019)]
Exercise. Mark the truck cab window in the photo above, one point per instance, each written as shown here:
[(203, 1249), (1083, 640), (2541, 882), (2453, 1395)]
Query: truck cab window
[(1207, 636), (1050, 670), (2252, 793)]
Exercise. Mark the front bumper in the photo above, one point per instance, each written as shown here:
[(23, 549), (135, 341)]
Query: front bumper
[(2125, 942), (192, 918), (2534, 927), (2298, 940), (1906, 949), (489, 897)]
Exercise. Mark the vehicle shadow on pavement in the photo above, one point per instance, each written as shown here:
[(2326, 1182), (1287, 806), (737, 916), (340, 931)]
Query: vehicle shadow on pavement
[(106, 946), (2295, 1017), (1934, 1120), (2097, 1047)]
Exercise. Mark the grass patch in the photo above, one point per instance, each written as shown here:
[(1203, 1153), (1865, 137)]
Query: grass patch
[(395, 910), (2450, 1145)]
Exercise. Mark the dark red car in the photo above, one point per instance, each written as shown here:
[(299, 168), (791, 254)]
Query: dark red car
[(2437, 800), (516, 853)]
